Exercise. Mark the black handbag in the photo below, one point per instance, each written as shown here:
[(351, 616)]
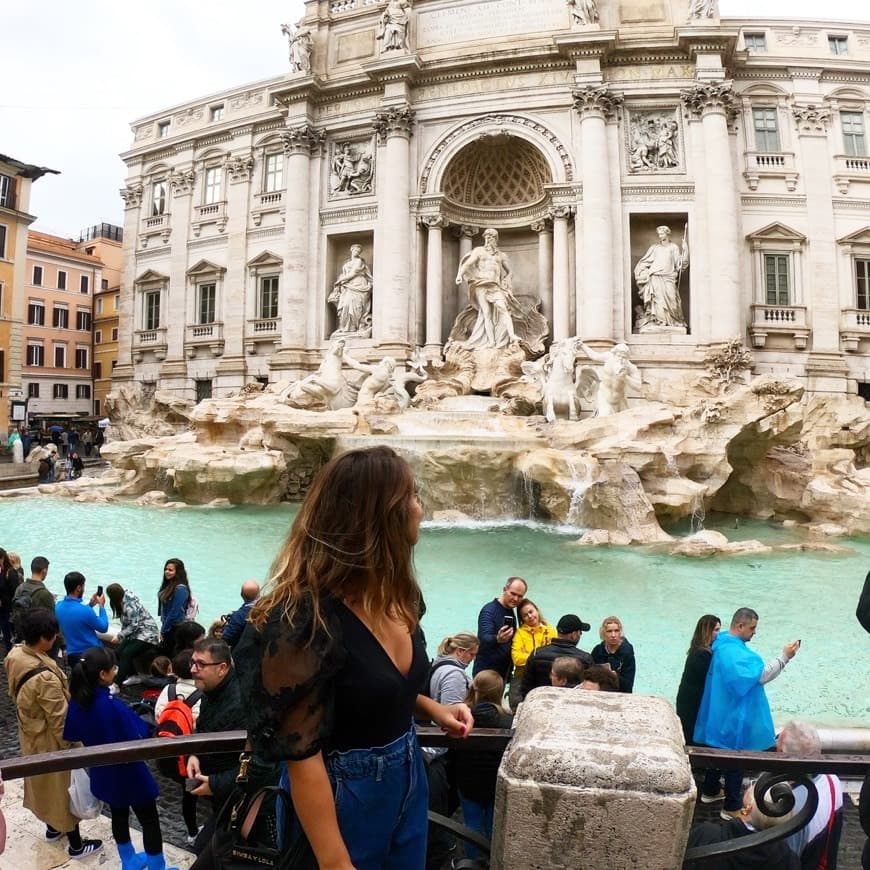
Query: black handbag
[(234, 844)]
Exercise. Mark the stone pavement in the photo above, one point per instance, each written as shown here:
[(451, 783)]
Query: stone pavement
[(26, 850)]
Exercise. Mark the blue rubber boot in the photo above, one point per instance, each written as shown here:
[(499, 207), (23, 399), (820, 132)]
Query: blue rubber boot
[(130, 858), (157, 862)]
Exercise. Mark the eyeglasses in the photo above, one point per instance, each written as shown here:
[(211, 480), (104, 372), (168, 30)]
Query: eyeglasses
[(198, 665)]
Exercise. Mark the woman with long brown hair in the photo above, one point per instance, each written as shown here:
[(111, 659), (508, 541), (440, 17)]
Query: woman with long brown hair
[(173, 600), (333, 662)]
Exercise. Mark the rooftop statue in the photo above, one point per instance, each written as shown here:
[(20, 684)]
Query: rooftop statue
[(299, 45), (352, 296), (393, 31), (610, 380), (584, 11), (658, 274)]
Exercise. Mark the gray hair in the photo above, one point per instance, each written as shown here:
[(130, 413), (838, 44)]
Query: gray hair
[(800, 738)]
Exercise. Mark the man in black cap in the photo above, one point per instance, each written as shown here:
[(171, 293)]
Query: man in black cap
[(537, 673)]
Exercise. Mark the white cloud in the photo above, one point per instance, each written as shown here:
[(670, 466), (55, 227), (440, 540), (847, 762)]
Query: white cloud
[(88, 69)]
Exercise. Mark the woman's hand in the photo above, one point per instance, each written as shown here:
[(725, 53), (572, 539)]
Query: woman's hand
[(454, 719), (193, 768)]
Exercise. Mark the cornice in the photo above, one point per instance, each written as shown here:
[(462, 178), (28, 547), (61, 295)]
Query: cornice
[(632, 191), (435, 78), (353, 214), (153, 254), (266, 233), (773, 201), (211, 241), (850, 204)]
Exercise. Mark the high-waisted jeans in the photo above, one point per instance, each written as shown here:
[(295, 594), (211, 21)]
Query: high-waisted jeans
[(381, 800)]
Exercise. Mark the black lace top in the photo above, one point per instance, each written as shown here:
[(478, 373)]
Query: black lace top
[(336, 691)]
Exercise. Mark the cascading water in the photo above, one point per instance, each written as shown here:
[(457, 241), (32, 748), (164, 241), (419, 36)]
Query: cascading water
[(698, 514), (579, 485)]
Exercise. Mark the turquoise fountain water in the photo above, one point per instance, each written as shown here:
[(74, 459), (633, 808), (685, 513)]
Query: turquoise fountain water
[(659, 597)]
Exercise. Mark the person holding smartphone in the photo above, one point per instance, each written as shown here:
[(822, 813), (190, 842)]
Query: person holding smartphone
[(496, 625), (80, 622)]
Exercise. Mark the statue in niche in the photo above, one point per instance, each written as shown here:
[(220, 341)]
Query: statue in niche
[(352, 296), (299, 45), (702, 9), (584, 11), (487, 272), (351, 170), (393, 31), (328, 388), (653, 143), (609, 381), (658, 278)]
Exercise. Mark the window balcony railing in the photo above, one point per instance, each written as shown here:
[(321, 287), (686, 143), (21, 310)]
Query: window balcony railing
[(210, 213), (854, 325), (261, 330), (770, 164), (204, 335), (155, 225), (267, 202), (155, 222), (848, 169), (151, 340), (789, 320)]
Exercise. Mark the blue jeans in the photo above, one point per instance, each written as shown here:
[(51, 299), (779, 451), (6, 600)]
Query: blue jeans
[(478, 817), (381, 800)]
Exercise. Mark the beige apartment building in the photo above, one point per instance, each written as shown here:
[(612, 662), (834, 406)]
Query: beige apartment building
[(105, 241), (57, 342), (16, 179)]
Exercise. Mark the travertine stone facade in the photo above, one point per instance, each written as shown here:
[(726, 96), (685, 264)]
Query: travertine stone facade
[(575, 136)]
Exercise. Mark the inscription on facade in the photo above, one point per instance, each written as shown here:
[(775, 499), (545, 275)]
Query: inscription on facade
[(493, 18), (637, 11), (353, 46), (494, 84), (649, 73)]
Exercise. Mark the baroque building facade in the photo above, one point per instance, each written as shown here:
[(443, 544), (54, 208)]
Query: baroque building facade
[(575, 129)]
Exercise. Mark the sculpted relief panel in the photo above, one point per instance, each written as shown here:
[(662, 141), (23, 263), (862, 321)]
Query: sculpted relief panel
[(488, 19), (351, 168), (654, 142)]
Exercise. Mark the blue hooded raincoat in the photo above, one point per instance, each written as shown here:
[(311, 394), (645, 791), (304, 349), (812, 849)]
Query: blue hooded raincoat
[(734, 712)]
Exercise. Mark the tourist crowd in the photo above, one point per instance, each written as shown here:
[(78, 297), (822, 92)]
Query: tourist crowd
[(331, 663)]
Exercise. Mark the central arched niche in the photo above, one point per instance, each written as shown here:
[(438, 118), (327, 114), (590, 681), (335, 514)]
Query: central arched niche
[(497, 171), (497, 180)]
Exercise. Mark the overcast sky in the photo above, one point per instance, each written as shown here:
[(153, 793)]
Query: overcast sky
[(87, 69)]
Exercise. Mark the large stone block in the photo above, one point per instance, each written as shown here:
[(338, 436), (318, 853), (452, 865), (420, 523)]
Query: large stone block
[(593, 779)]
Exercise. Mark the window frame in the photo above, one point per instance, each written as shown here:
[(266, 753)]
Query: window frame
[(761, 135), (163, 128), (81, 353), (854, 143), (217, 112), (149, 296), (98, 370), (7, 191), (59, 316), (212, 185), (4, 233), (62, 276), (35, 354), (203, 304), (41, 271), (33, 390), (273, 172), (755, 41), (159, 197), (84, 283), (865, 262), (775, 257), (114, 333), (98, 336), (83, 391), (60, 391), (836, 41), (275, 292), (61, 348), (84, 320), (34, 305)]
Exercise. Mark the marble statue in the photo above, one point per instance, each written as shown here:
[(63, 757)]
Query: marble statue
[(702, 9), (328, 386), (610, 380), (416, 374), (352, 296), (658, 274), (299, 45), (584, 11), (554, 375), (379, 380), (393, 31), (487, 272), (351, 170)]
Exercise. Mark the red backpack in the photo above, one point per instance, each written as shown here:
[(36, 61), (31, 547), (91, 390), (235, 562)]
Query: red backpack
[(176, 720)]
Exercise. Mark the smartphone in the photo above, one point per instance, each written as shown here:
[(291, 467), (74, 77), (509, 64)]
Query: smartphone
[(99, 591), (191, 783), (509, 621)]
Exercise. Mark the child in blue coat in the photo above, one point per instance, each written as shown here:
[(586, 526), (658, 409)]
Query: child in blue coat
[(95, 717)]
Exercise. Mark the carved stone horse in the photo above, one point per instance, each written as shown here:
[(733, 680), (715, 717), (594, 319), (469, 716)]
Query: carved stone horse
[(555, 377)]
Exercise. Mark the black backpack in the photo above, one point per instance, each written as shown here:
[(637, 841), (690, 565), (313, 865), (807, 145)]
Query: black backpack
[(433, 666), (22, 601)]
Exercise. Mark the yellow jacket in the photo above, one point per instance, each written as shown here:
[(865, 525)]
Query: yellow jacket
[(526, 640)]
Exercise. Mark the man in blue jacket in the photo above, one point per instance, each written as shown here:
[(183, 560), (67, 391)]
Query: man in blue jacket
[(734, 712), (495, 628), (79, 622), (237, 620)]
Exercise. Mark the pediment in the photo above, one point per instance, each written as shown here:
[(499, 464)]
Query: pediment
[(205, 267), (149, 276), (266, 258), (859, 237), (777, 232)]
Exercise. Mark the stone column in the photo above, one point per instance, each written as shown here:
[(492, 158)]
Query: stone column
[(561, 300), (714, 103), (132, 195), (299, 144), (434, 290), (596, 105), (544, 229), (392, 243), (610, 769), (466, 239)]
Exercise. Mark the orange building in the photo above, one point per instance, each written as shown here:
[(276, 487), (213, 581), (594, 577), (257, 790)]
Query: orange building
[(16, 179), (105, 241), (58, 346)]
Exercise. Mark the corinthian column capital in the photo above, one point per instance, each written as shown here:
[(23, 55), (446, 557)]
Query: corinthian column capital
[(303, 139), (394, 121), (597, 101), (710, 97)]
